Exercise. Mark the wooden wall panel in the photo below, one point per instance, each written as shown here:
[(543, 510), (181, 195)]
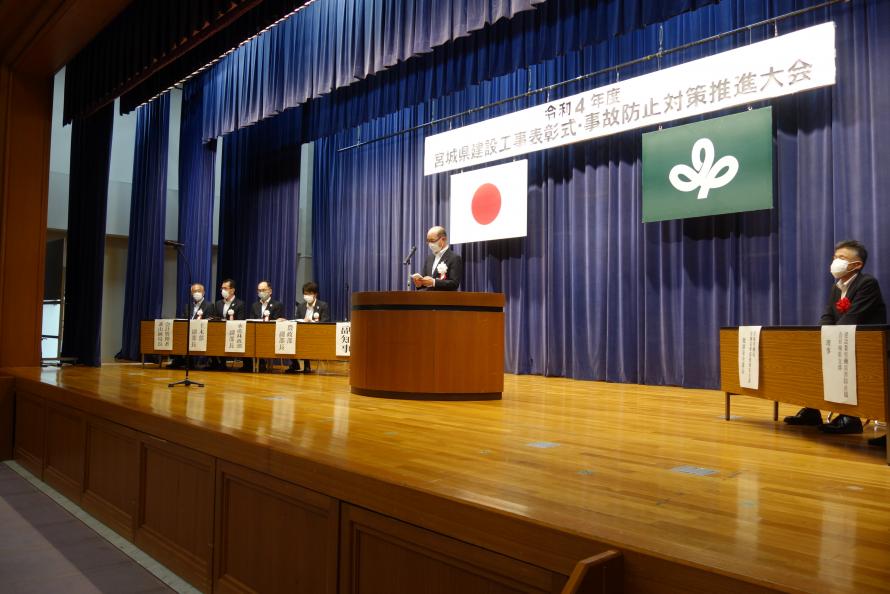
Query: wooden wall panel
[(273, 536), (111, 477), (65, 446), (380, 555), (176, 509), (25, 135), (7, 417), (29, 432)]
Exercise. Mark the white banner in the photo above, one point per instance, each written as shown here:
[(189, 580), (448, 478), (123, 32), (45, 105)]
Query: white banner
[(344, 330), (163, 335), (285, 337), (236, 336), (197, 336), (749, 357), (783, 65), (839, 364), (489, 203)]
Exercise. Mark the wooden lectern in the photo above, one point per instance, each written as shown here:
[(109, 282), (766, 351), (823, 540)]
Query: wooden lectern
[(435, 345)]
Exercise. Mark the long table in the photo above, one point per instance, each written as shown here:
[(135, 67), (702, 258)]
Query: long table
[(791, 370), (315, 341)]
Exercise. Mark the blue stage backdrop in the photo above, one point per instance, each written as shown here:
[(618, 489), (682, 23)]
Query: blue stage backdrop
[(259, 208), (196, 168), (332, 44), (592, 292), (87, 209), (144, 291)]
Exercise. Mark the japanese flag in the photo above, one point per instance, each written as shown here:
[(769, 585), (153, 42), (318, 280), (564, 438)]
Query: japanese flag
[(489, 203)]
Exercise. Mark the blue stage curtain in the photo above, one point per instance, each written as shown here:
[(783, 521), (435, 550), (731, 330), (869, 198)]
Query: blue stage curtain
[(334, 43), (259, 208), (87, 209), (592, 292), (187, 35), (196, 168), (369, 207), (144, 290)]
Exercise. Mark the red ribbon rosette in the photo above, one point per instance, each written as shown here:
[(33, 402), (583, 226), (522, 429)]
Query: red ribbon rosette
[(842, 305)]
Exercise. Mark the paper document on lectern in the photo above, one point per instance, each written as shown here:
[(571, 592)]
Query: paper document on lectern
[(839, 364)]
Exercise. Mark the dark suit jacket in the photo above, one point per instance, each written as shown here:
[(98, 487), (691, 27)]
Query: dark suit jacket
[(237, 305), (275, 310), (321, 310), (453, 276), (866, 304), (207, 310)]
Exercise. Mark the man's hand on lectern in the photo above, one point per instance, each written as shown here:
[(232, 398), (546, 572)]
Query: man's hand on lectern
[(417, 280), (428, 281)]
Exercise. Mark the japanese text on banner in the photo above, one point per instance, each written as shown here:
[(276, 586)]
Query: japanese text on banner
[(783, 65)]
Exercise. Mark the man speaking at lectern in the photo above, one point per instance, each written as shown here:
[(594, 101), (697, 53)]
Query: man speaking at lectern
[(443, 270)]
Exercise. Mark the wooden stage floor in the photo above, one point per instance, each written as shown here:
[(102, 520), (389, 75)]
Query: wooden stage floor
[(652, 471)]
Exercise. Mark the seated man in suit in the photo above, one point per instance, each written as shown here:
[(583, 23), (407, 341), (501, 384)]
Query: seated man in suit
[(227, 308), (265, 309), (443, 270), (200, 309), (310, 309), (855, 299)]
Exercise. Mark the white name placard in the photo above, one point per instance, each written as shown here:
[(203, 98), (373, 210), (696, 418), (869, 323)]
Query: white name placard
[(749, 357), (285, 337), (236, 336), (163, 335), (839, 364), (197, 336), (344, 330), (783, 65)]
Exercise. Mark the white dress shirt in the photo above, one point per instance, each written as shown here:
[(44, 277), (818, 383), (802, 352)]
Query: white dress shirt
[(843, 286)]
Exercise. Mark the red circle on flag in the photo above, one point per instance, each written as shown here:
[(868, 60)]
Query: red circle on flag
[(486, 203)]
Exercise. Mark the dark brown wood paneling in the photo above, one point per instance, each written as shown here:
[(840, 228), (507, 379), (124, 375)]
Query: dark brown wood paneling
[(111, 477), (30, 424), (273, 536), (7, 417), (380, 555), (65, 446), (176, 515), (26, 105)]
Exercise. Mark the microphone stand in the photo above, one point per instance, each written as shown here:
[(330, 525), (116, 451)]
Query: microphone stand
[(348, 304), (407, 263), (188, 334)]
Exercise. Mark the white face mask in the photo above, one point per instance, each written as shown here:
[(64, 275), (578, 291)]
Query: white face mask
[(839, 267), (263, 295), (225, 294), (434, 246), (197, 296), (310, 299)]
